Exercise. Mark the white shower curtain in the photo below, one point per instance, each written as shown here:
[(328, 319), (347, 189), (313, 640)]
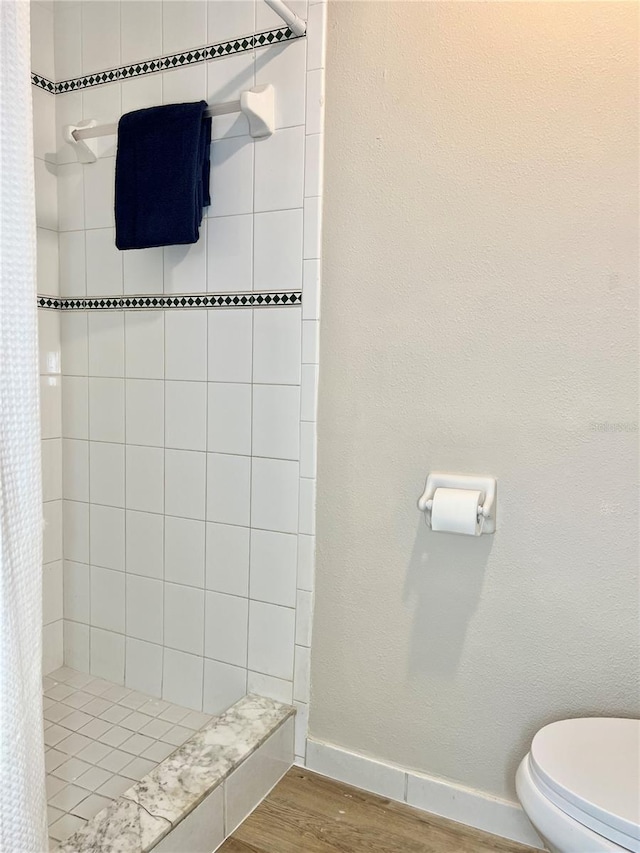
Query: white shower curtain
[(23, 824)]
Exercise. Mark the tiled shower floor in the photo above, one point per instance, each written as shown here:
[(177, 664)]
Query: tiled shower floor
[(100, 738)]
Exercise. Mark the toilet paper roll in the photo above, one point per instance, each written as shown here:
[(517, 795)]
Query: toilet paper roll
[(456, 511)]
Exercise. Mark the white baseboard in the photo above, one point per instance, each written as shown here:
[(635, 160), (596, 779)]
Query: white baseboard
[(428, 793)]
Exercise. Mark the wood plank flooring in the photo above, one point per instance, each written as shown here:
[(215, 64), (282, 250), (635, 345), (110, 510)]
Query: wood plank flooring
[(306, 813)]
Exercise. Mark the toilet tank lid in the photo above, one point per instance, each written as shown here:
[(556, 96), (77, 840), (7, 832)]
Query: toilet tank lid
[(594, 764)]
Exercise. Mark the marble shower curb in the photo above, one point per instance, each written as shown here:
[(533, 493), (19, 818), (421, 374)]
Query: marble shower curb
[(147, 813)]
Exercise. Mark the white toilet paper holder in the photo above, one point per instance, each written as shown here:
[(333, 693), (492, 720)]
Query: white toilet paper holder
[(486, 485)]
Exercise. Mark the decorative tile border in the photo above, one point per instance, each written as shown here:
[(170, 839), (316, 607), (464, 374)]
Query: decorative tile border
[(43, 83), (258, 299), (166, 63)]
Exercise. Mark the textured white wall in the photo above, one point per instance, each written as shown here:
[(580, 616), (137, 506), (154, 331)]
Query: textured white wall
[(479, 315)]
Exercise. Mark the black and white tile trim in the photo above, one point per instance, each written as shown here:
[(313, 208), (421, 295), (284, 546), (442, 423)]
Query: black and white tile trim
[(43, 83), (166, 63), (259, 299)]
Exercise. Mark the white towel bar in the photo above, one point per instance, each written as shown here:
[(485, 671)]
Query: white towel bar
[(258, 104)]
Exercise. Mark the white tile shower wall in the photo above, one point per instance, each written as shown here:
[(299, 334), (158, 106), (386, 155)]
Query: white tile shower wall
[(189, 437), (49, 334)]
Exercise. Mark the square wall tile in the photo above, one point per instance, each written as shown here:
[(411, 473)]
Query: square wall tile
[(316, 36), (106, 473), (228, 19), (304, 604), (52, 533), (307, 449), (145, 479), (140, 31), (42, 55), (52, 469), (107, 599), (106, 343), (145, 412), (227, 568), (107, 655), (230, 254), (145, 544), (223, 686), (274, 495), (51, 407), (230, 345), (144, 334), (226, 620), (99, 184), (183, 618), (185, 267), (75, 469), (76, 645), (100, 36), (276, 421), (143, 667), (284, 66), (106, 410), (107, 537), (52, 591), (184, 551), (274, 269), (273, 688), (71, 249), (76, 583), (47, 262), (184, 24), (228, 489), (307, 506), (138, 93), (232, 188), (279, 171), (313, 165), (75, 405), (182, 679), (229, 418), (184, 483), (273, 567), (186, 344), (271, 639), (75, 526), (52, 647), (312, 238), (277, 346), (306, 561), (310, 342), (301, 674), (74, 342), (311, 290), (143, 271), (145, 608), (49, 341), (186, 415), (104, 263), (184, 84), (70, 201), (315, 102), (46, 195)]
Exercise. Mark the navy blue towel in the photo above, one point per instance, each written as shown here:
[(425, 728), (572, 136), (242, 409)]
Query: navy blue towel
[(162, 175)]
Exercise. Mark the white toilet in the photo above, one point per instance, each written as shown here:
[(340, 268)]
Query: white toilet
[(580, 785)]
